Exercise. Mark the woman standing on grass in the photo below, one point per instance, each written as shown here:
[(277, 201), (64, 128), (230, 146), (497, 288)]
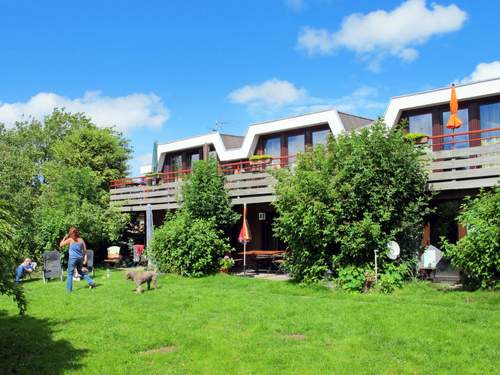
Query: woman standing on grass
[(77, 256)]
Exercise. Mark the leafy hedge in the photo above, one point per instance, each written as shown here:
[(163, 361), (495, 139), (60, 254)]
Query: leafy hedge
[(343, 201), (478, 253), (187, 246), (192, 240)]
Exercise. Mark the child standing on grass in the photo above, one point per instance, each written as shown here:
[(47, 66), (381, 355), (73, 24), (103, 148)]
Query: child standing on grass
[(77, 256), (24, 268)]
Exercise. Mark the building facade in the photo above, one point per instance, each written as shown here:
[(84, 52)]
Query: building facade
[(460, 162)]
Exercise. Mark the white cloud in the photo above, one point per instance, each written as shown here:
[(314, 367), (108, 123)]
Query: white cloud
[(484, 71), (272, 94), (295, 5), (276, 97), (125, 112), (396, 32)]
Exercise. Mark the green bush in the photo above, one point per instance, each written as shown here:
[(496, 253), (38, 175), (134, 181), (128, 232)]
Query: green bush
[(187, 246), (393, 277), (205, 196), (351, 278), (478, 253), (8, 259), (344, 200)]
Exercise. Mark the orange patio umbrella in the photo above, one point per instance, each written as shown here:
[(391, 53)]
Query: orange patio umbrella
[(245, 236), (454, 121)]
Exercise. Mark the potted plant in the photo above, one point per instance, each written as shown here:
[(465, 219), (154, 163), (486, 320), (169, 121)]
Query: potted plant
[(226, 264), (418, 138), (260, 160), (151, 178)]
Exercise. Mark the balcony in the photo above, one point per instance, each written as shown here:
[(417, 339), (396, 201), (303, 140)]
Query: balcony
[(460, 161)]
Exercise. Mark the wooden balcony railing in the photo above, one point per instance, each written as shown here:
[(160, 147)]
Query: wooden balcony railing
[(454, 163)]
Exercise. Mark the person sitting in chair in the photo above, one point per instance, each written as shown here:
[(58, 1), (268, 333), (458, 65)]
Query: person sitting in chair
[(24, 268)]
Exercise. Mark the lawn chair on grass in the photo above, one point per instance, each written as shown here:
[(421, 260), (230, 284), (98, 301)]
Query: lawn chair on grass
[(90, 262), (114, 257), (52, 267)]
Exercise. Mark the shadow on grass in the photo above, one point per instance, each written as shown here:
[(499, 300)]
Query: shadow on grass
[(27, 347)]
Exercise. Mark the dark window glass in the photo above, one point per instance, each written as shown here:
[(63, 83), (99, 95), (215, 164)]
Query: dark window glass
[(421, 123), (319, 137), (490, 119), (175, 162), (296, 144), (459, 141), (193, 159), (272, 146)]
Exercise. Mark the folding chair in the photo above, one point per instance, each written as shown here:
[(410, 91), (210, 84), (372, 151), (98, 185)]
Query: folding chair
[(90, 261), (52, 265)]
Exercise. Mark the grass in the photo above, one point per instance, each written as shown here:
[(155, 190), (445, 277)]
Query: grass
[(230, 325)]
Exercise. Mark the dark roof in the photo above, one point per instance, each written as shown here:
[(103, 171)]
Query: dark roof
[(352, 122), (232, 141)]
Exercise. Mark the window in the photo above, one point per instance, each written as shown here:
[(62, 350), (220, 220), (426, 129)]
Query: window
[(319, 137), (421, 123), (296, 144), (460, 141), (175, 162), (490, 119), (272, 146), (193, 159), (212, 154)]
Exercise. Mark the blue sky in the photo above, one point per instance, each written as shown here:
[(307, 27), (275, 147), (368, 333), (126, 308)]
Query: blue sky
[(163, 70)]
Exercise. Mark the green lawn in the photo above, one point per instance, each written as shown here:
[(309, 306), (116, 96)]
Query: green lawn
[(230, 325)]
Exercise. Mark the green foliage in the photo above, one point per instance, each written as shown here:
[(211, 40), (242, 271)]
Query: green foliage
[(393, 277), (8, 259), (226, 263), (345, 200), (74, 197), (188, 246), (42, 161), (205, 197), (260, 157), (478, 253), (414, 137), (351, 278), (103, 150)]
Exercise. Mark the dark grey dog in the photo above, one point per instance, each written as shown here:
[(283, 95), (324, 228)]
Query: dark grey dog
[(140, 278)]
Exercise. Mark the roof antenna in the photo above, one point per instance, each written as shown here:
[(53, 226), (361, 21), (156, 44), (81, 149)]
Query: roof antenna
[(218, 126)]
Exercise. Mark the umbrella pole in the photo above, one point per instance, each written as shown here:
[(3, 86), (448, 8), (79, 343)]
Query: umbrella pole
[(244, 258)]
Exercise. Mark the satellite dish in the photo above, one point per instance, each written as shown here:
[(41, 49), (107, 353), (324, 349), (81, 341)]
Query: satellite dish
[(393, 250)]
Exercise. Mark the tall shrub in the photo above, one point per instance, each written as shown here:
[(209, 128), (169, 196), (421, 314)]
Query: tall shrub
[(188, 246), (8, 259), (344, 200), (192, 240), (205, 197), (478, 253)]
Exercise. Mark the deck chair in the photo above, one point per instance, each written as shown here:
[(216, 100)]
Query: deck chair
[(52, 267), (114, 257), (90, 262)]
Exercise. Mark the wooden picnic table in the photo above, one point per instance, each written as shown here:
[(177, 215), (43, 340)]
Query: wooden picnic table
[(262, 252), (265, 256)]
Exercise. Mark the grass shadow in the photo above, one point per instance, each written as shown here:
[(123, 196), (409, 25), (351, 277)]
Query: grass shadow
[(27, 346)]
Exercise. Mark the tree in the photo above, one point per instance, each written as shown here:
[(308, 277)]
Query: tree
[(103, 150), (74, 197), (204, 195), (188, 246), (343, 201), (39, 157), (192, 240), (8, 259), (478, 253)]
